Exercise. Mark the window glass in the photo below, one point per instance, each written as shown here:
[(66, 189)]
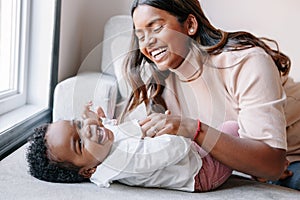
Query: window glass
[(12, 49)]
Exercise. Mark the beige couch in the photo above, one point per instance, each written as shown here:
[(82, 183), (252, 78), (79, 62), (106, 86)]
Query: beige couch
[(107, 88)]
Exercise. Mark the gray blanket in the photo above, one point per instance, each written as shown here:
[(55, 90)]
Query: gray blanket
[(16, 183)]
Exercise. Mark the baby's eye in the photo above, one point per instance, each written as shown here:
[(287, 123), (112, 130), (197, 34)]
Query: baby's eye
[(80, 143), (78, 123)]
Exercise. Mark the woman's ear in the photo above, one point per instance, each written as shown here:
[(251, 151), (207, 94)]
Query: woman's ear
[(87, 173), (192, 25)]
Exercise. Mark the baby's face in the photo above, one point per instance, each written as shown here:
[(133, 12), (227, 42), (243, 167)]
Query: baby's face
[(84, 143)]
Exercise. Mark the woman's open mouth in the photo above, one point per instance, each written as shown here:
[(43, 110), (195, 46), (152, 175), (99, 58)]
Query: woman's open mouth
[(158, 53)]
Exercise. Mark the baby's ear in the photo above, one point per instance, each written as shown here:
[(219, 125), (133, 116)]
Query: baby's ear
[(87, 173)]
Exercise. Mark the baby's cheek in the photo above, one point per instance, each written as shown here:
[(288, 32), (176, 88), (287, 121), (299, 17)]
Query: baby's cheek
[(98, 151)]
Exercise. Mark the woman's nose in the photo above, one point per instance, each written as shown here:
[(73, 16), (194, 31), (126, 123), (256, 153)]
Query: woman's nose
[(148, 41), (151, 40)]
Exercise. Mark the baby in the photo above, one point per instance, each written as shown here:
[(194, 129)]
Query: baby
[(95, 149)]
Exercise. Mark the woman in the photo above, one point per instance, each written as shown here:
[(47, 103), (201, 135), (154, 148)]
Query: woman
[(203, 76)]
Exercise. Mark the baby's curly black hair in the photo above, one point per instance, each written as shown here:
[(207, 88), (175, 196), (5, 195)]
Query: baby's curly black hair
[(41, 167)]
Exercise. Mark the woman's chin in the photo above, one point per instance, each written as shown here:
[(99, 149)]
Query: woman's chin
[(162, 67)]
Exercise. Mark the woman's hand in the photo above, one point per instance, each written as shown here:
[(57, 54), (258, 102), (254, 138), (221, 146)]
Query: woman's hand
[(157, 124), (287, 173)]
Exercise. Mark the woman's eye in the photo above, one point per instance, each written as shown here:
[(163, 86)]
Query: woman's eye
[(141, 38), (157, 29)]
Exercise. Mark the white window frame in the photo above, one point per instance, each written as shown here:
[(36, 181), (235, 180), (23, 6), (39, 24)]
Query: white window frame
[(42, 61), (16, 96), (37, 58)]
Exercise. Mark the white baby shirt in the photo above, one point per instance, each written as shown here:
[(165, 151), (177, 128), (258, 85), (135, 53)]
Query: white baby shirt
[(165, 161)]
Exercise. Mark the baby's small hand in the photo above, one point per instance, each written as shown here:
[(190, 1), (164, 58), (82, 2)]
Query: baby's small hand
[(89, 114), (100, 112)]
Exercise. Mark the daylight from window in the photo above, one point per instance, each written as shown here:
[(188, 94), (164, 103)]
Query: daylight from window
[(9, 41)]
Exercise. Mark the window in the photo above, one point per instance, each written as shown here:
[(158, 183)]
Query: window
[(29, 41), (13, 26)]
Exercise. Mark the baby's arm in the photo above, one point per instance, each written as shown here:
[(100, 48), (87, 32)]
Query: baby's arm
[(147, 154), (88, 113), (99, 115)]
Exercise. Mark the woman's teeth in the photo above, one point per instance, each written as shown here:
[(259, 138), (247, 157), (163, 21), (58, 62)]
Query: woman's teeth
[(158, 53)]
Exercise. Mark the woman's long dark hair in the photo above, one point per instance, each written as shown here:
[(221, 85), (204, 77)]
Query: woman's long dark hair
[(209, 39)]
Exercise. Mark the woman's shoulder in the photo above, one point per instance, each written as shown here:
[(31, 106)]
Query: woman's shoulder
[(228, 59), (251, 50), (239, 68)]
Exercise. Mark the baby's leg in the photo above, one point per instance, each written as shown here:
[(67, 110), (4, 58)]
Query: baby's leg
[(230, 127), (213, 173)]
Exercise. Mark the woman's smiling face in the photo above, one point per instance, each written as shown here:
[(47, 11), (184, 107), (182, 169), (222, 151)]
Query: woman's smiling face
[(161, 37)]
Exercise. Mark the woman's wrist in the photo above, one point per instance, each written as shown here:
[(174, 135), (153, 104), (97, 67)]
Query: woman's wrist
[(198, 130), (191, 128)]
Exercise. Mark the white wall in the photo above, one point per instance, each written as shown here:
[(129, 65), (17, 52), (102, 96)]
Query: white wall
[(276, 19), (82, 24), (83, 20)]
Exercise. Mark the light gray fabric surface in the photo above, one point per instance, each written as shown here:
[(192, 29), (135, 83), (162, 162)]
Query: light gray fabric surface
[(16, 183)]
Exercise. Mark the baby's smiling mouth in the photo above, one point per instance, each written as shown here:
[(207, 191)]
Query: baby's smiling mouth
[(101, 134)]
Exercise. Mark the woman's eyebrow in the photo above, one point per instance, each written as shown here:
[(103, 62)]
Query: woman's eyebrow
[(138, 31), (153, 21)]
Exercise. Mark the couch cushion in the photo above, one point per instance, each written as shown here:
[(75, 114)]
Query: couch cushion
[(117, 36), (117, 26), (72, 94)]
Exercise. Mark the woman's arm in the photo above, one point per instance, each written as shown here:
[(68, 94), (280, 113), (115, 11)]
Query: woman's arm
[(255, 88), (246, 155), (249, 156)]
